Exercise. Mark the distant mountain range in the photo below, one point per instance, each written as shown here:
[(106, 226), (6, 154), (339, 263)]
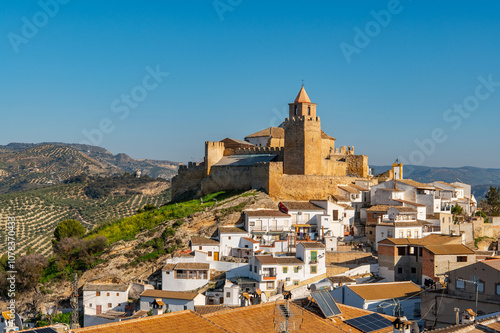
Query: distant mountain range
[(27, 165), (479, 178)]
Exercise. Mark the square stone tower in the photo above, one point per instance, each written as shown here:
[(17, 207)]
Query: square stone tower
[(302, 151)]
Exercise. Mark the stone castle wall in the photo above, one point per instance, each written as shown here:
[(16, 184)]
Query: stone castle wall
[(357, 165), (188, 179)]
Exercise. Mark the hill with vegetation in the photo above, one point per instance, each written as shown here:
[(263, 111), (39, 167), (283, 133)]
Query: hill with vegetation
[(92, 200), (129, 249), (479, 178), (46, 161)]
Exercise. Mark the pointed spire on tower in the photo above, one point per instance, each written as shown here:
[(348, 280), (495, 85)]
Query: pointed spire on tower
[(302, 96)]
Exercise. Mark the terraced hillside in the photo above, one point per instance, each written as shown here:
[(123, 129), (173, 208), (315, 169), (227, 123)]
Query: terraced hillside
[(38, 211), (45, 165), (152, 168)]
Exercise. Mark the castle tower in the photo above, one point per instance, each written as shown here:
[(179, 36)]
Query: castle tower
[(302, 106), (302, 151)]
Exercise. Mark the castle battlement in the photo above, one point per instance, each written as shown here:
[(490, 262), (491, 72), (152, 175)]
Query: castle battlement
[(301, 119), (190, 165), (258, 150), (349, 150)]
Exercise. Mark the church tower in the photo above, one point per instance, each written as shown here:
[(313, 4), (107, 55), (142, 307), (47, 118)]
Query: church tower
[(302, 151)]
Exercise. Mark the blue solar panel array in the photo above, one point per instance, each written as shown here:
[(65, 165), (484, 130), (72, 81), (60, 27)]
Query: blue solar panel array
[(369, 323), (326, 303)]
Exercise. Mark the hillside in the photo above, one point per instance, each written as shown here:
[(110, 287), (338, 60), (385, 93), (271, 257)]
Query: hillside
[(111, 164), (92, 201), (481, 179), (44, 165), (138, 245)]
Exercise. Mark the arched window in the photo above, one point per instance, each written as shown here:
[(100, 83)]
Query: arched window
[(308, 110), (295, 109)]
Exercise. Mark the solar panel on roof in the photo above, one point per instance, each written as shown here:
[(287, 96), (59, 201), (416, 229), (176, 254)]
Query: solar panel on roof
[(326, 303), (369, 323)]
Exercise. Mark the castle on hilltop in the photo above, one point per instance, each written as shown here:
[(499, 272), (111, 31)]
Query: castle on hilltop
[(296, 161)]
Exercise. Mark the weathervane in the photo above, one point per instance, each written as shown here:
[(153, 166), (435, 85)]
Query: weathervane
[(302, 82)]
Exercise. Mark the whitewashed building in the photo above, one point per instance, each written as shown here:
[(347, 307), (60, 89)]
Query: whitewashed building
[(230, 240), (172, 300), (273, 273), (208, 245), (185, 276), (101, 298)]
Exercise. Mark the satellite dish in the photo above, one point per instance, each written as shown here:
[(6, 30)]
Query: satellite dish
[(18, 321)]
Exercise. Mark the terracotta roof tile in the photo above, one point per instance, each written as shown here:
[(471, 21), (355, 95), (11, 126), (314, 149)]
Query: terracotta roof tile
[(235, 143), (155, 293), (266, 213), (360, 188), (448, 249), (349, 189), (409, 202), (416, 184), (301, 205), (260, 318), (385, 290), (206, 309), (192, 265), (302, 96), (326, 136), (274, 132), (232, 230), (104, 287), (312, 245), (176, 322), (378, 208), (251, 240), (195, 240)]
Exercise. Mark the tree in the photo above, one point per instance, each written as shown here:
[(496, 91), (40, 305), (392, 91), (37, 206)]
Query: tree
[(457, 210), (30, 269), (493, 201), (69, 228)]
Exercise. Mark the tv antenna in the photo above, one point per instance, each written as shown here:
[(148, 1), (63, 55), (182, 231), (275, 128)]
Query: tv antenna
[(287, 319)]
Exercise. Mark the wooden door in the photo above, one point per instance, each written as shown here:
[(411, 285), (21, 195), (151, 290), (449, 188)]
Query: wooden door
[(216, 256), (99, 309)]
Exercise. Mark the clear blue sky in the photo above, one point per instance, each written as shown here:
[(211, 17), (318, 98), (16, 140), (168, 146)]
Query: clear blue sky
[(232, 70)]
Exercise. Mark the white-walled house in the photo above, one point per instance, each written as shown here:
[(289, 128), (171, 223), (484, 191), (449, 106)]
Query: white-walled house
[(337, 221), (230, 239), (314, 256), (225, 292), (173, 300), (208, 245), (185, 276), (392, 222), (101, 298), (268, 226), (273, 273)]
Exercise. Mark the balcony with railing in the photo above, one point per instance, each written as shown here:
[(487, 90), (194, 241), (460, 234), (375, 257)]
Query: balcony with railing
[(268, 274)]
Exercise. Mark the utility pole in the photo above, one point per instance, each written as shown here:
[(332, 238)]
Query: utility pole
[(475, 282), (75, 322)]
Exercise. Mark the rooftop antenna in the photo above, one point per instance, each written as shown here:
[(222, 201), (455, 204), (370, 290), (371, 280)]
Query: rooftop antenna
[(287, 319), (75, 322)]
